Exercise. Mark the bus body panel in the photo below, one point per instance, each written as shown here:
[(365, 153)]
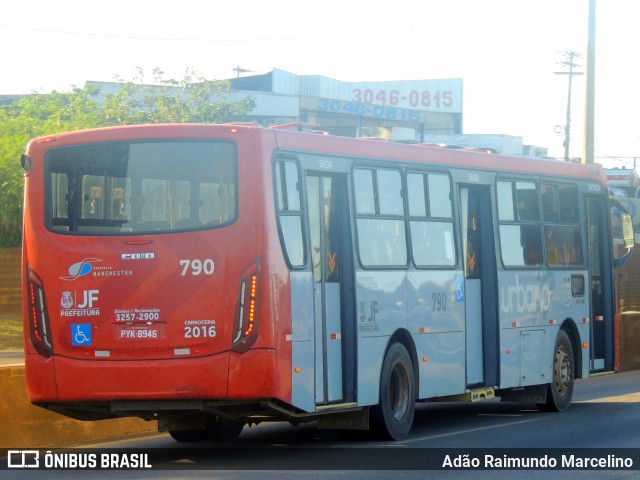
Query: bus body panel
[(382, 302), (154, 301), (303, 346), (441, 363), (302, 359), (222, 376), (153, 297), (370, 356), (155, 379), (381, 299), (437, 324), (533, 306)]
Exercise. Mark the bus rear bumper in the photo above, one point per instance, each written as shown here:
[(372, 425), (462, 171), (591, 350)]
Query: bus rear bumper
[(225, 376)]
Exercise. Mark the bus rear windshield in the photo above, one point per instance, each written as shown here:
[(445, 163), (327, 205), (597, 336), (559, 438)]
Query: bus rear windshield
[(160, 186)]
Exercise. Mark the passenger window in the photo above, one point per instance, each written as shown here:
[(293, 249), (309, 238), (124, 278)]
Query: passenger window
[(382, 242), (549, 203), (432, 243), (526, 201), (519, 225), (561, 216), (380, 217), (365, 198), (505, 201), (432, 240), (137, 187), (390, 192), (287, 183), (440, 196), (287, 176), (417, 196), (520, 245), (568, 201), (60, 196)]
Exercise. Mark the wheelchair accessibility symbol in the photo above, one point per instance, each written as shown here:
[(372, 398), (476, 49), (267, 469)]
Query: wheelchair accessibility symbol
[(81, 334), (459, 288)]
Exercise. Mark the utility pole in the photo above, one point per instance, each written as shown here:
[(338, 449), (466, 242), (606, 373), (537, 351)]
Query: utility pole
[(239, 70), (569, 62), (589, 104)]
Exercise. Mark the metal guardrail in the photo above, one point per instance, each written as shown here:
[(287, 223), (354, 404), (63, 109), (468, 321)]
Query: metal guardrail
[(9, 359), (11, 350), (11, 346)]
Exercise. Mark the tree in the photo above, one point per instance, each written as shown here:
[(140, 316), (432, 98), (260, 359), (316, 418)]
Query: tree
[(191, 99)]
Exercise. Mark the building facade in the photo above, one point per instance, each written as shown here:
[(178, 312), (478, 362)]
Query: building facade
[(356, 109)]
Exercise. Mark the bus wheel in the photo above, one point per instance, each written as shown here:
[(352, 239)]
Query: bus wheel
[(224, 430), (217, 430), (392, 418), (189, 435), (560, 390)]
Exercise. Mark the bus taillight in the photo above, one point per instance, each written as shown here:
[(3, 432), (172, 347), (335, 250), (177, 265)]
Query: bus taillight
[(246, 321), (38, 317)]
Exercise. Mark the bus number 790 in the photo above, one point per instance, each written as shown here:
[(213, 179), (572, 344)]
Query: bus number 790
[(197, 266)]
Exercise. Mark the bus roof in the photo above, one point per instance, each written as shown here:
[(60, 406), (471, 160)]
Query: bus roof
[(288, 139), (462, 158)]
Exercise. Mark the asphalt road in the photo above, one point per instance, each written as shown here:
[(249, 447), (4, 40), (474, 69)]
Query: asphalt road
[(603, 420)]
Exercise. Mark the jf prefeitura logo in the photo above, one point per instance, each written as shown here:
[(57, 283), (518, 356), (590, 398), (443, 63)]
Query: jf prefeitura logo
[(51, 460), (80, 304)]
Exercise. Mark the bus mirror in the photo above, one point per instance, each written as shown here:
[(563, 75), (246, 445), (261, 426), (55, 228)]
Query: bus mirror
[(25, 162), (627, 239), (627, 230)]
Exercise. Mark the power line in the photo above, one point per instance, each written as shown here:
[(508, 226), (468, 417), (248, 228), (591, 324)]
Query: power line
[(626, 160), (202, 40)]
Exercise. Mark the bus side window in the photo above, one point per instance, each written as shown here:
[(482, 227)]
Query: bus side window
[(519, 224), (60, 201), (560, 214), (380, 217), (431, 225), (287, 183)]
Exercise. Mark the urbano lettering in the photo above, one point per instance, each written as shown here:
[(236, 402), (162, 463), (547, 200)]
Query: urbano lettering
[(525, 298)]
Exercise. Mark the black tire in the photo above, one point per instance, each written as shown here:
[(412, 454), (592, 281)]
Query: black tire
[(217, 431), (189, 435), (560, 390), (393, 417)]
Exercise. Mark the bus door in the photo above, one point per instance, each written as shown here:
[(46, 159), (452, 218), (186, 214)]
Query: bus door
[(602, 356), (480, 285), (328, 215)]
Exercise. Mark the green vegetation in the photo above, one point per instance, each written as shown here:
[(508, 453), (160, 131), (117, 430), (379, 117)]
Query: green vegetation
[(137, 101), (11, 335)]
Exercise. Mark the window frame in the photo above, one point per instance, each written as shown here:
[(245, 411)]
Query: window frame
[(563, 224), (377, 216), (300, 213), (74, 219), (515, 220), (429, 218)]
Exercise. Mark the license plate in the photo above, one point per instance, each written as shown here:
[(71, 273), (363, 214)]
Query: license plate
[(139, 332)]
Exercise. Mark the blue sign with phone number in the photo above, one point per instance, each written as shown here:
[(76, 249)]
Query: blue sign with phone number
[(367, 110)]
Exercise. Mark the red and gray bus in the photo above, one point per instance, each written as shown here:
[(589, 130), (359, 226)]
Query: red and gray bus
[(214, 276)]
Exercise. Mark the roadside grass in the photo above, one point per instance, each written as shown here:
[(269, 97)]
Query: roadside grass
[(10, 335)]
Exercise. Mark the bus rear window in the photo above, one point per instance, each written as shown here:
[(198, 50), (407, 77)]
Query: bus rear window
[(162, 186)]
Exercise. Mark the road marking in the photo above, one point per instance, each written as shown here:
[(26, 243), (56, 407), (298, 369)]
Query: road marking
[(470, 430), (626, 398)]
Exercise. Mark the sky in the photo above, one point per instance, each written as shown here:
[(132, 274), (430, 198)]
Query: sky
[(506, 52)]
